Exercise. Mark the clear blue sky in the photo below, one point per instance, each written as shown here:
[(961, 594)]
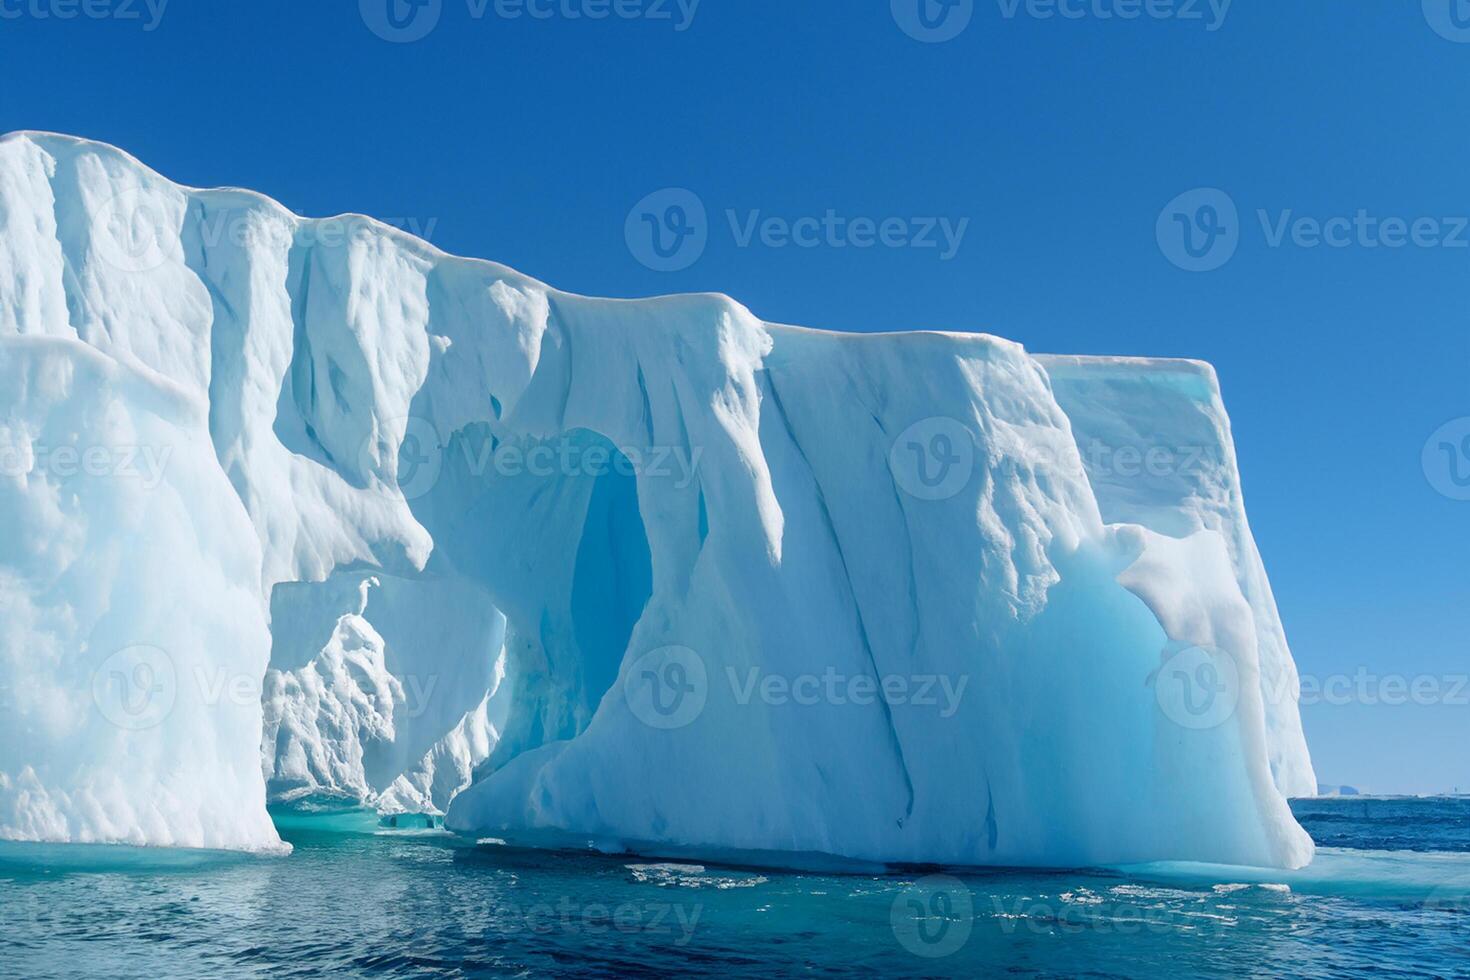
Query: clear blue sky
[(1061, 139)]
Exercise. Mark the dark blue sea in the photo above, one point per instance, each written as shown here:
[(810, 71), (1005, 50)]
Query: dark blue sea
[(1389, 895)]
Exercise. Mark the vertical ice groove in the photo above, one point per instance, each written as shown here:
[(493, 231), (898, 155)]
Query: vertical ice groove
[(857, 609)]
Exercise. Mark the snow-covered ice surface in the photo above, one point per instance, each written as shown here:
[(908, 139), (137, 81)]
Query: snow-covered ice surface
[(627, 573)]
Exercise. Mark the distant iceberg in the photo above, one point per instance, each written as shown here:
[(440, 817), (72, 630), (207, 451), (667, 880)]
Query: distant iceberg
[(309, 508)]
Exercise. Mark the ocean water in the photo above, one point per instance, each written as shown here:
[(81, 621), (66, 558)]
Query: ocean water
[(1389, 895)]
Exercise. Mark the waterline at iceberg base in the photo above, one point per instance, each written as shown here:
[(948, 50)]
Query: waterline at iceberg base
[(306, 508)]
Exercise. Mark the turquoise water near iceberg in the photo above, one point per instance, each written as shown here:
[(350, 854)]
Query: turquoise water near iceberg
[(1389, 894)]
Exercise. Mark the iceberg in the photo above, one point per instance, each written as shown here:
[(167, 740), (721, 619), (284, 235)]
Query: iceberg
[(423, 533)]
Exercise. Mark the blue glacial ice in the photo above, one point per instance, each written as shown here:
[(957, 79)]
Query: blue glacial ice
[(310, 508)]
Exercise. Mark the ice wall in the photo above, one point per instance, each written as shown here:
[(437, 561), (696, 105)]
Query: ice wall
[(129, 612), (1155, 440), (648, 574)]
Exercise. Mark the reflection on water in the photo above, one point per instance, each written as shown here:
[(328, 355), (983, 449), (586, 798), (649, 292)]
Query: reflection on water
[(359, 899)]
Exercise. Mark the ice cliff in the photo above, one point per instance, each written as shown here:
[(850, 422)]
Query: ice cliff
[(300, 507)]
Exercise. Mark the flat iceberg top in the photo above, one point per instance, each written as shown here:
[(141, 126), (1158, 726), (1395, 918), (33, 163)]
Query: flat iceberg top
[(421, 532)]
